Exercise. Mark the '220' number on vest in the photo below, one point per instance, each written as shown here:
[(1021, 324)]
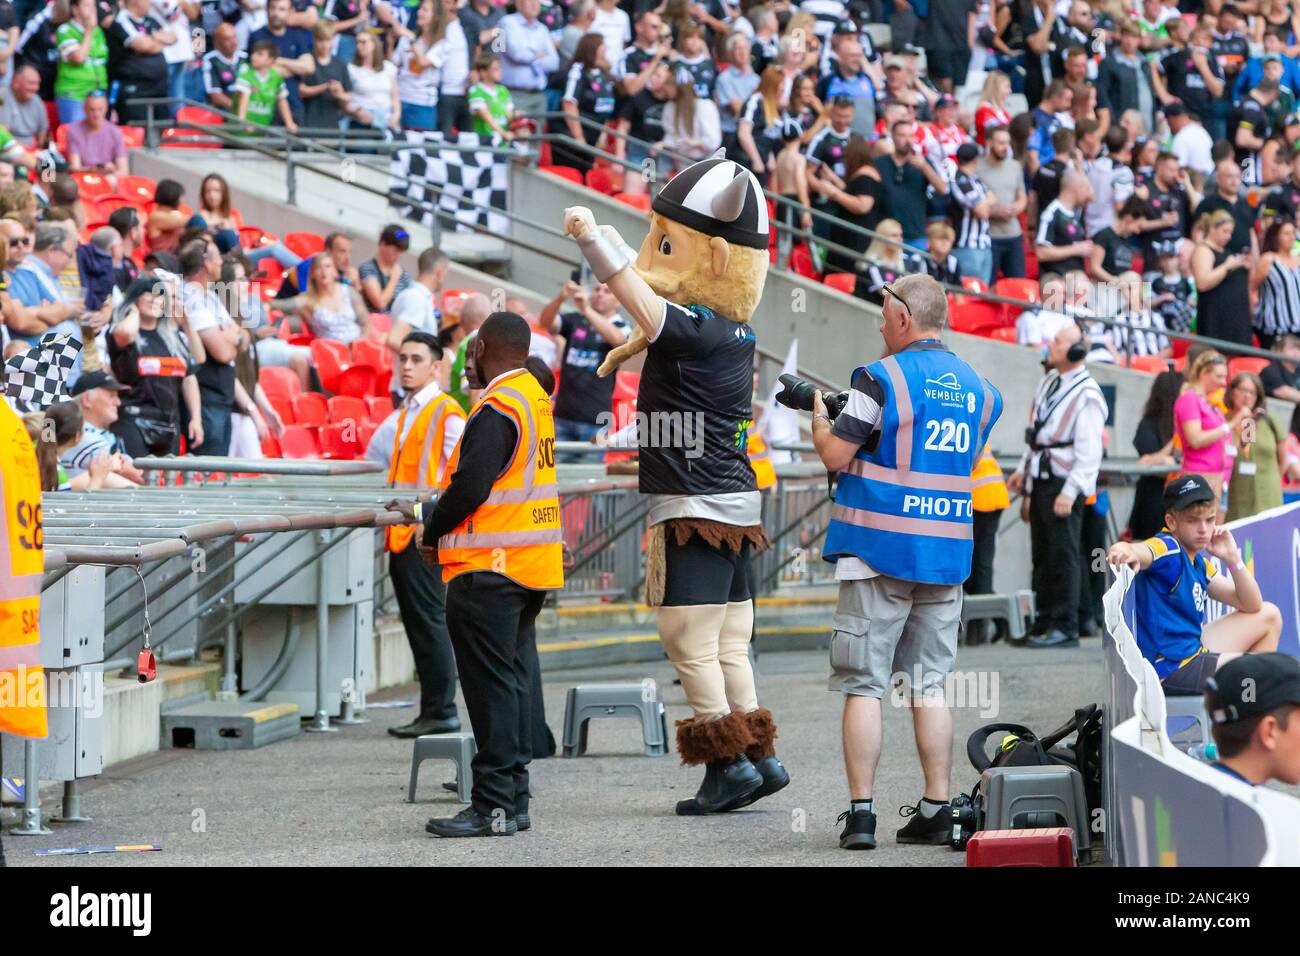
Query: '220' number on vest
[(947, 435), (29, 519), (546, 453)]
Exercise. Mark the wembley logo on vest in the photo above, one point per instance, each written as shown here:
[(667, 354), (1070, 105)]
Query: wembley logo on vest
[(946, 390)]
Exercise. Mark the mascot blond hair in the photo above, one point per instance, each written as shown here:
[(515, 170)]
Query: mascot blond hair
[(691, 289)]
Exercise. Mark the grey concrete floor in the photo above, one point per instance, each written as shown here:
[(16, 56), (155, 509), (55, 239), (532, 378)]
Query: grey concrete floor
[(339, 799)]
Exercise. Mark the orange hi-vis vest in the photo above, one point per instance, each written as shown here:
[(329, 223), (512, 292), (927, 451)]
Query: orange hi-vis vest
[(759, 460), (988, 492), (516, 532), (22, 570), (415, 456)]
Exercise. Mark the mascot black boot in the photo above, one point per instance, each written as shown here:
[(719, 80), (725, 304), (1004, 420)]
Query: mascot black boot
[(730, 780)]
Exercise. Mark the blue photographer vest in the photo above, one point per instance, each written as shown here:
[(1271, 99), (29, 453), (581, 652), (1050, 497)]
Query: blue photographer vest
[(905, 507)]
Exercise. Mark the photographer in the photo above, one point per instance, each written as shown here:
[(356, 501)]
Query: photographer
[(901, 539)]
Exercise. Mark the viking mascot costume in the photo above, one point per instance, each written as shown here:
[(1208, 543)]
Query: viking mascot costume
[(691, 290)]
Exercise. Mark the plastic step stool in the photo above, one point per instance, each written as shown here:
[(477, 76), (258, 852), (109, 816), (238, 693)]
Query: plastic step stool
[(641, 701), (1050, 846), (1022, 798), (458, 748)]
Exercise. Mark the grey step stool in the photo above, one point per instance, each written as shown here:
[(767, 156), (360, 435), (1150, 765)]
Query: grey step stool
[(458, 748), (1018, 798), (1179, 706), (641, 700)]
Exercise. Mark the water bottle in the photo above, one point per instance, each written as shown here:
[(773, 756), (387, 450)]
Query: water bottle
[(1208, 752)]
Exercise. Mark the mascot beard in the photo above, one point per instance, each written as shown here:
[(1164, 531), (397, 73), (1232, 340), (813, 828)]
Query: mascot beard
[(708, 643)]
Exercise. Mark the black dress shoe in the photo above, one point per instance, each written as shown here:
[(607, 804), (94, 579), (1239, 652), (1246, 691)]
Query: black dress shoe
[(775, 777), (1053, 638), (726, 784), (470, 823), (426, 725)]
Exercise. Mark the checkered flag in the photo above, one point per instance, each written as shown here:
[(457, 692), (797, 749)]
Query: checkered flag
[(35, 380), (472, 183)]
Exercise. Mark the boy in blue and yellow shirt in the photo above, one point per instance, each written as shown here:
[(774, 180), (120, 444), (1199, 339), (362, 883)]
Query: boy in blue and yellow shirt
[(1174, 580)]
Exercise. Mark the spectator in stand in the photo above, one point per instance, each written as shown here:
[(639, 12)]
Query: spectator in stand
[(332, 309), (1143, 331), (1154, 442), (166, 221), (127, 223), (375, 99), (582, 13), (1112, 246), (885, 262), (1046, 181), (942, 265), (96, 394), (528, 57), (96, 266), (1227, 195), (221, 67), (481, 21), (34, 285), (261, 91), (23, 113), (588, 103), (1037, 328), (949, 40), (457, 59), (992, 109), (584, 402), (326, 90), (805, 108), (248, 431), (614, 26), (156, 368), (83, 60), (1203, 434), (694, 65), (1047, 120), (736, 84), (175, 16), (220, 336), (95, 142), (136, 62), (641, 119), (1222, 282), (972, 204), (1062, 240), (1124, 78), (8, 39), (849, 80), (489, 101), (1191, 72), (858, 202), (1005, 179), (348, 18), (218, 217), (905, 175), (1275, 282), (292, 43), (643, 55), (420, 60), (692, 127), (383, 278), (416, 309), (759, 129), (1281, 377), (1191, 144), (1260, 459)]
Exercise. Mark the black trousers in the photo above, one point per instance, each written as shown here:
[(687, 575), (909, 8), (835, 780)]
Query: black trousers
[(986, 544), (1092, 582), (421, 596), (492, 622), (1054, 544)]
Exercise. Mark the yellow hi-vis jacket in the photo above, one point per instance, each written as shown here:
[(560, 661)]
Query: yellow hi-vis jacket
[(516, 532), (22, 569), (417, 458), (988, 491), (764, 473)]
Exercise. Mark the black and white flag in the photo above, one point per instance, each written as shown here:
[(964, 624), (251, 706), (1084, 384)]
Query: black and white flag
[(465, 185), (36, 379)]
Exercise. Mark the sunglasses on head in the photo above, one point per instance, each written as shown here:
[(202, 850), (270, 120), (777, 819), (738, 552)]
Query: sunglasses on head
[(901, 301)]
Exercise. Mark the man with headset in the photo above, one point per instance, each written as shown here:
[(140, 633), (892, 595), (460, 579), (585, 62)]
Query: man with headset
[(1057, 472)]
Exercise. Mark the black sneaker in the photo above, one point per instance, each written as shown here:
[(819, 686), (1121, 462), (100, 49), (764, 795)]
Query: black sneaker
[(859, 830), (931, 831)]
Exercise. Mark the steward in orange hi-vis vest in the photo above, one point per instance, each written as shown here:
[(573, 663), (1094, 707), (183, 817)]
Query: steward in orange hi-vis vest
[(418, 457), (516, 531), (760, 460), (22, 569), (988, 490)]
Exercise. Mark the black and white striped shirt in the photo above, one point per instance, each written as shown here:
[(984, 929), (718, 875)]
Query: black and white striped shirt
[(1144, 334), (1279, 301), (968, 191), (829, 13)]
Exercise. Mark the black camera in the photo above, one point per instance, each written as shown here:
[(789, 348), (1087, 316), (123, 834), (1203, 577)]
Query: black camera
[(967, 819), (797, 394)]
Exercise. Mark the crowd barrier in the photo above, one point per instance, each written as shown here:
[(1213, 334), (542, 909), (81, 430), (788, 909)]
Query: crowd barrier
[(1162, 807)]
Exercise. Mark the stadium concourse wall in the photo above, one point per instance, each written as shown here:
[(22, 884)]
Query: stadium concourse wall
[(1162, 807)]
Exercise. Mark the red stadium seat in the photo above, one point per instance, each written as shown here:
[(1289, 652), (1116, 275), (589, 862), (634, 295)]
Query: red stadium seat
[(1245, 363), (359, 381), (603, 180), (364, 434), (271, 447), (452, 299), (974, 316), (378, 407), (299, 442), (1153, 364), (138, 188), (251, 237), (380, 323), (368, 352), (279, 381), (801, 262), (1180, 347), (94, 185), (132, 137), (972, 284), (635, 200), (331, 359), (174, 137), (311, 409), (304, 244), (564, 172), (61, 139), (347, 408), (1025, 290), (283, 405), (198, 116), (841, 281), (341, 442)]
